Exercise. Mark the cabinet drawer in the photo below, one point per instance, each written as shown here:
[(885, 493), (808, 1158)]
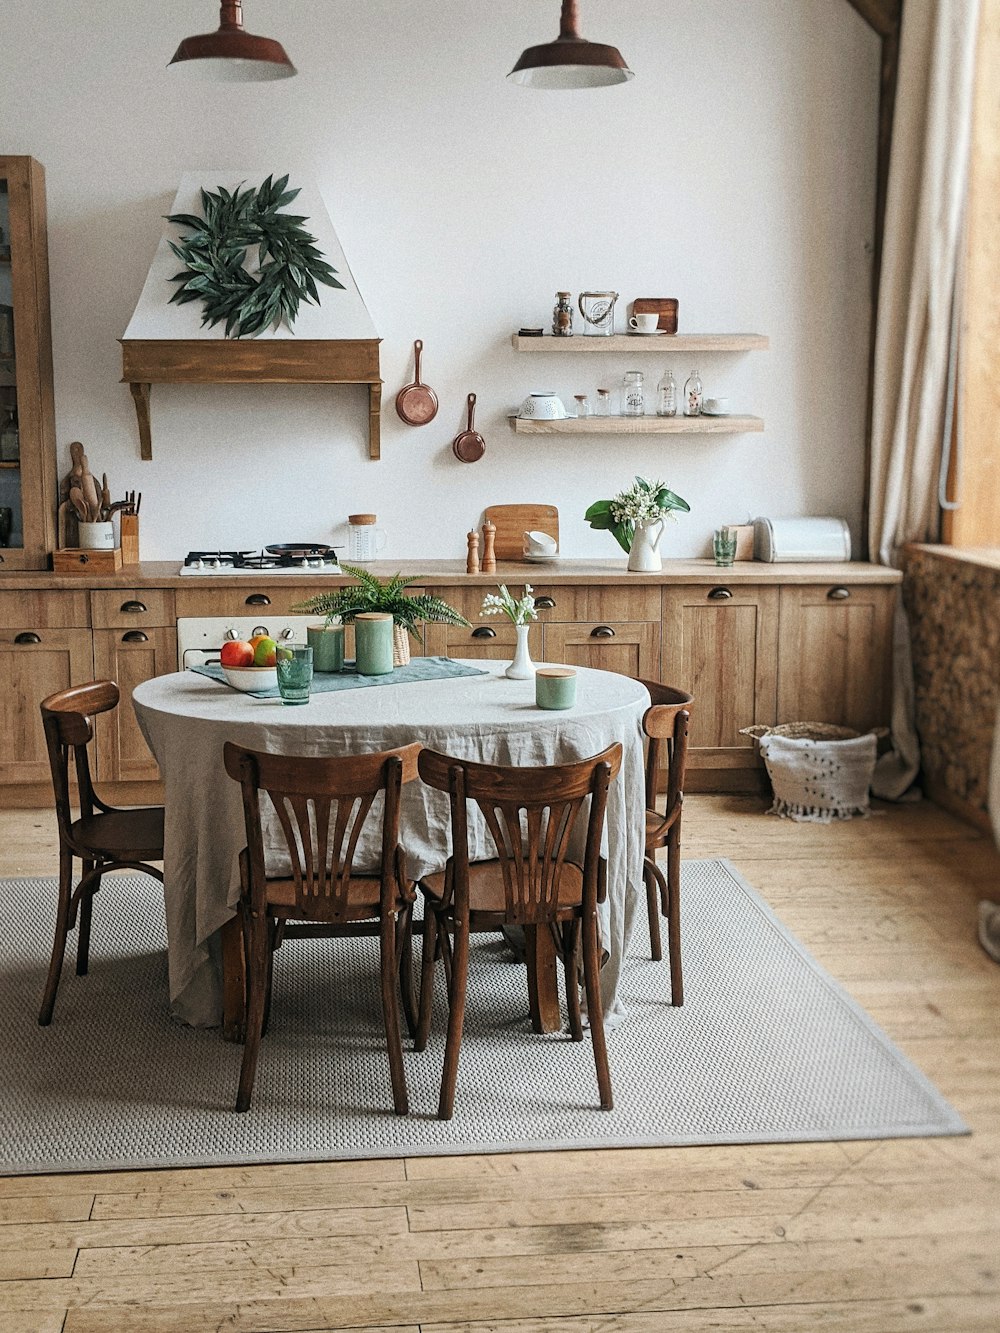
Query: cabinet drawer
[(494, 642), (247, 600), (124, 608), (569, 602), (632, 649), (45, 610)]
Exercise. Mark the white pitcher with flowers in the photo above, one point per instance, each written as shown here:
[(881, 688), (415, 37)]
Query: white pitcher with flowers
[(635, 518)]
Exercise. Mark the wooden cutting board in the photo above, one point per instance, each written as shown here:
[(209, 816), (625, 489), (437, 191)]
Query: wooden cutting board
[(513, 521)]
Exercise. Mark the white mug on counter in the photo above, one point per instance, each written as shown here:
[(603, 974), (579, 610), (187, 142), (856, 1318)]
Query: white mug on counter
[(539, 544), (644, 323)]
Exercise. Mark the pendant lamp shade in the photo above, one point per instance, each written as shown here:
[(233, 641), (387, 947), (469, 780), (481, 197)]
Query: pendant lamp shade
[(570, 61), (232, 54)]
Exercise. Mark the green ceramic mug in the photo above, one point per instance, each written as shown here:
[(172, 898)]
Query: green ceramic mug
[(555, 687)]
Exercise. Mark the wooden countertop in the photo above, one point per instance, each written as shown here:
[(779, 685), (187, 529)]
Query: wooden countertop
[(987, 557), (441, 573)]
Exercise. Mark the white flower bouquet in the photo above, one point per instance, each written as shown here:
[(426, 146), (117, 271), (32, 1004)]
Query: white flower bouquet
[(644, 502), (518, 612)]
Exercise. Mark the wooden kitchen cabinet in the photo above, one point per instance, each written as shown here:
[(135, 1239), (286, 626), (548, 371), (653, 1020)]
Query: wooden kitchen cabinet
[(129, 657), (34, 663), (835, 654), (27, 468), (720, 643), (488, 642)]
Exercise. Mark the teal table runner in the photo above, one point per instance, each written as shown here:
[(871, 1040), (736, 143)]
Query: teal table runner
[(420, 668)]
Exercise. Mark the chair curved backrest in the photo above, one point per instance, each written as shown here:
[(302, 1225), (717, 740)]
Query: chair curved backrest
[(322, 805), (531, 814), (66, 718), (666, 724)]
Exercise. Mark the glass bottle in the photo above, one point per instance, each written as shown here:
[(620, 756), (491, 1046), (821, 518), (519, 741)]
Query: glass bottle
[(667, 389), (562, 315), (603, 402), (583, 405), (693, 395), (633, 394)]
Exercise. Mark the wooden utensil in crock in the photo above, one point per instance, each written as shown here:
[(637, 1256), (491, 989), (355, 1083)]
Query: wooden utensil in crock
[(417, 403), (468, 445)]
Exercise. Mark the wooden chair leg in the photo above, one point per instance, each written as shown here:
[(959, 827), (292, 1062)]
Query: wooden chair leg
[(652, 911), (674, 914), (258, 955), (273, 942), (456, 1019), (86, 913), (426, 979), (595, 1012), (390, 1014), (59, 941), (571, 963), (404, 952)]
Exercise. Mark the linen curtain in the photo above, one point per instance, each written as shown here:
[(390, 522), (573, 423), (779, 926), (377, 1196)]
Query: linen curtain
[(919, 314)]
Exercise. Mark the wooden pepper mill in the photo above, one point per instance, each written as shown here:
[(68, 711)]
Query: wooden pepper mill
[(472, 559), (489, 554)]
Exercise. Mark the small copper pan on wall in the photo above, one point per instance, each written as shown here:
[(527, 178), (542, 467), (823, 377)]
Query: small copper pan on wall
[(417, 403), (468, 445)]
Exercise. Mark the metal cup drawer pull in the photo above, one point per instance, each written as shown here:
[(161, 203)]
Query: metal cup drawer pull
[(258, 599), (838, 594), (29, 636), (135, 636), (484, 632), (133, 608), (602, 632), (720, 595), (545, 603)]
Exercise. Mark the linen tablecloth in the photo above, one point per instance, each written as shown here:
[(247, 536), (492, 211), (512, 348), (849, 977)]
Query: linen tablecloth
[(187, 719)]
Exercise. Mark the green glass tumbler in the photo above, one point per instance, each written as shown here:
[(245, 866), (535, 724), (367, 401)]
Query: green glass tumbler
[(373, 643), (294, 662), (724, 546)]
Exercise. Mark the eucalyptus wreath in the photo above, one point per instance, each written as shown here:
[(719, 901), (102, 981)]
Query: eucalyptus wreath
[(214, 257)]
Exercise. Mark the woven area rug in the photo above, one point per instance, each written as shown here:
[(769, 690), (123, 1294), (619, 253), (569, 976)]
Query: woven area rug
[(767, 1048)]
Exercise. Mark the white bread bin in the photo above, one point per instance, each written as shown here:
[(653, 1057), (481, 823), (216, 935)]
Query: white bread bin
[(777, 539)]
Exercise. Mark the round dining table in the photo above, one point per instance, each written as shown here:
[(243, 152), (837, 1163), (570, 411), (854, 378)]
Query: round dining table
[(186, 719)]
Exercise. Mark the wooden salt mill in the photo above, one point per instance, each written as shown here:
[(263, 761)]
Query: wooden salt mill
[(489, 554), (472, 559)]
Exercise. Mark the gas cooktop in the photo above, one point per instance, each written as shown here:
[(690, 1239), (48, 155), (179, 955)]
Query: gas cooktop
[(305, 559)]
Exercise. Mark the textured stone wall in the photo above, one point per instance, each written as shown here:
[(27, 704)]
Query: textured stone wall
[(954, 609)]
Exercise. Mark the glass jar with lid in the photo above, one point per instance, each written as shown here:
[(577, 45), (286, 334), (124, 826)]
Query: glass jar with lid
[(562, 315), (365, 539), (603, 402), (633, 394), (584, 407)]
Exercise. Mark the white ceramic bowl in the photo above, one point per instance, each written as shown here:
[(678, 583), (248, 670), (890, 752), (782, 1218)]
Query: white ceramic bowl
[(252, 677), (543, 406)]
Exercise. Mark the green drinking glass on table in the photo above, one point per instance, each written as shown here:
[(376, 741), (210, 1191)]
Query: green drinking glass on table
[(294, 662)]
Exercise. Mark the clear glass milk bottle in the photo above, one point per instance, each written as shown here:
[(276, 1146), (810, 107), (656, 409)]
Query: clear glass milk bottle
[(633, 394), (693, 395), (667, 391)]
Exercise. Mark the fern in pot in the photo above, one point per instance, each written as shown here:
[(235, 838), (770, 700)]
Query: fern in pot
[(390, 598)]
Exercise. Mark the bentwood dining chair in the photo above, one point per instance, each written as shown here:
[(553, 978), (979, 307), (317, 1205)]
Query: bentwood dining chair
[(666, 725), (322, 806), (531, 814), (104, 838)]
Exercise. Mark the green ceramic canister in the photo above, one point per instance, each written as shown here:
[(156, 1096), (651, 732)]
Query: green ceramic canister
[(327, 643), (555, 687), (373, 643)]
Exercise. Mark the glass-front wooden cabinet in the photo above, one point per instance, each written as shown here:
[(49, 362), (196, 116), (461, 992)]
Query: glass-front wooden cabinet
[(27, 416)]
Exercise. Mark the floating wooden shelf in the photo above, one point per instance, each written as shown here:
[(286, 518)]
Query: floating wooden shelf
[(639, 426), (146, 362), (629, 342)]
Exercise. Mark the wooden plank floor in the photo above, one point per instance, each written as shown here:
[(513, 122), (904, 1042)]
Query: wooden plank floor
[(860, 1237)]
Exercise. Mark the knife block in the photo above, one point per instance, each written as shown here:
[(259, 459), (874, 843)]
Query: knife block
[(129, 538)]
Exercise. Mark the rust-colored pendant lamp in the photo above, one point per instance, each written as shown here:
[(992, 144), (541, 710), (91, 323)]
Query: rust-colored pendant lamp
[(232, 54), (570, 61)]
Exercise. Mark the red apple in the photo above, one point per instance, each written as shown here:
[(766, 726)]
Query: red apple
[(236, 653)]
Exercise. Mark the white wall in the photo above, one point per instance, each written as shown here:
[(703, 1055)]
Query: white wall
[(736, 173)]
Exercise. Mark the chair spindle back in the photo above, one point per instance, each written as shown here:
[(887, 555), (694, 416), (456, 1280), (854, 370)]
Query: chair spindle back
[(69, 729)]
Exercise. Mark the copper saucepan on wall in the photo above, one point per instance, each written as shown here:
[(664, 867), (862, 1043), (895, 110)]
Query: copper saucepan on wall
[(417, 403), (468, 445)]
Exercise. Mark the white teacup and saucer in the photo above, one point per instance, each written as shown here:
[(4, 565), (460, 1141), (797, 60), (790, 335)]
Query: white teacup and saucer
[(539, 547)]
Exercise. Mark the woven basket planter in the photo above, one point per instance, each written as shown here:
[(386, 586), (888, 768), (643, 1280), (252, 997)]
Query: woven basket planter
[(818, 771), (400, 646)]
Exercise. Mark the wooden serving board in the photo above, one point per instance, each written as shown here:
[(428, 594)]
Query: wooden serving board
[(664, 306), (513, 521)]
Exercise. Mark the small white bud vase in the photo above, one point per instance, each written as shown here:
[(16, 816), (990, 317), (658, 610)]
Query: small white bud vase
[(522, 667), (644, 556)]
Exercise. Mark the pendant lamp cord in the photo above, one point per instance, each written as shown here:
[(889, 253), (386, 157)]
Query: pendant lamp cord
[(569, 27)]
